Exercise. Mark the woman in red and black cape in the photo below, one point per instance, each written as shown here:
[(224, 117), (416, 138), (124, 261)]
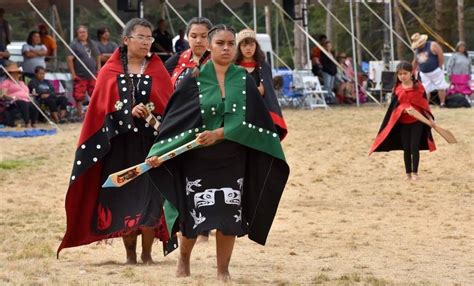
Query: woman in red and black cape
[(401, 131), (115, 136), (234, 182), (183, 63), (251, 57)]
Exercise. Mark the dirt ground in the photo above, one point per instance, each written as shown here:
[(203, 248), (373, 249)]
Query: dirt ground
[(344, 219)]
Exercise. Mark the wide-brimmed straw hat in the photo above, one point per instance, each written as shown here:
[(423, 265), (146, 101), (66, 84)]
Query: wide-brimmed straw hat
[(246, 33), (12, 67), (418, 40)]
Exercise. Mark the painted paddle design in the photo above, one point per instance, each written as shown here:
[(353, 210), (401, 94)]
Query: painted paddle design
[(122, 177), (446, 134)]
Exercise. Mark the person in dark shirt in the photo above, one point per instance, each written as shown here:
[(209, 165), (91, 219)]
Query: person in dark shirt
[(163, 44), (44, 94), (181, 44)]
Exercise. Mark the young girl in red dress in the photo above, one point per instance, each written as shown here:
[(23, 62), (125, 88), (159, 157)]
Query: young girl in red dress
[(401, 131)]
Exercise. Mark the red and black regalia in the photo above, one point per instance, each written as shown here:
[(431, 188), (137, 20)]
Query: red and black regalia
[(234, 185), (112, 140), (262, 74), (389, 136), (179, 65)]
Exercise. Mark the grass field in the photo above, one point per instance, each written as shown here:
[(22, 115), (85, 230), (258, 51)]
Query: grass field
[(344, 219)]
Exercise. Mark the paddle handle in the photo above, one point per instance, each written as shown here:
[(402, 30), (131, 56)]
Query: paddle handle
[(446, 134), (122, 177)]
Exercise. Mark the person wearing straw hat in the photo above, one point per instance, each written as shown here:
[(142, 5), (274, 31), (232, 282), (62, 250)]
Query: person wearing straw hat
[(429, 59), (17, 91)]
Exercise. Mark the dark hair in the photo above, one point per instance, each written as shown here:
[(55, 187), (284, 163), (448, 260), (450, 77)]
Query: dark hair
[(29, 40), (404, 66), (102, 31), (322, 37), (130, 26), (258, 57), (198, 21), (39, 68), (458, 45), (218, 28)]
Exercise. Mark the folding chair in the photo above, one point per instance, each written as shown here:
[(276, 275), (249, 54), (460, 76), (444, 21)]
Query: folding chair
[(387, 82), (287, 95), (314, 94)]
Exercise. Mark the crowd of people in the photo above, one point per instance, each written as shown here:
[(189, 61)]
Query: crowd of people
[(228, 106), (84, 64)]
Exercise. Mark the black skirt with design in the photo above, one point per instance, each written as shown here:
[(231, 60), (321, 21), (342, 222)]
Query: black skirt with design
[(138, 203), (214, 178)]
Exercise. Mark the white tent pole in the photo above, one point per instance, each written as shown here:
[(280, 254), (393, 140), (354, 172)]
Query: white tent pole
[(112, 13), (167, 13), (387, 25), (247, 26), (347, 29), (392, 52), (177, 13), (305, 20), (329, 55), (71, 33), (200, 8), (255, 15), (61, 38), (354, 54)]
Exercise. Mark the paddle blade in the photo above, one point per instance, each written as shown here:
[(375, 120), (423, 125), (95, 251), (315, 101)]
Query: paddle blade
[(446, 134), (122, 177)]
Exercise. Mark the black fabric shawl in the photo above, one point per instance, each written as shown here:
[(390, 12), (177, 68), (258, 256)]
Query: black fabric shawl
[(394, 140), (265, 177), (271, 100), (171, 63)]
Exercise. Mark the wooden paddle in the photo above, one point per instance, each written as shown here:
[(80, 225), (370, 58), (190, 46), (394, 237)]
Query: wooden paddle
[(120, 178), (446, 134), (152, 120)]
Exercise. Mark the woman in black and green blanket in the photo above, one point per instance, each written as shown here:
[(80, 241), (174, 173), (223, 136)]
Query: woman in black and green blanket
[(234, 181)]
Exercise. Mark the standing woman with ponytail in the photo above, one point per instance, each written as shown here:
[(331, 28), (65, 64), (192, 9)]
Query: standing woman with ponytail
[(401, 131), (251, 57), (115, 136), (234, 181), (181, 64)]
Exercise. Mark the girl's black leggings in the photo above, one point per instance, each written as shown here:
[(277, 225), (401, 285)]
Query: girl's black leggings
[(411, 135)]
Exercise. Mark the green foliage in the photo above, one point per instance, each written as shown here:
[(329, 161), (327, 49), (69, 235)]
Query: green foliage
[(95, 16), (13, 164)]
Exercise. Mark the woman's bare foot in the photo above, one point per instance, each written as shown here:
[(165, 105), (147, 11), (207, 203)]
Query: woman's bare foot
[(224, 276), (146, 258), (408, 177), (414, 177), (131, 259), (184, 268)]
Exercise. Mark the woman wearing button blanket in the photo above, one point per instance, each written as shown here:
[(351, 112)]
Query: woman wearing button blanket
[(251, 57), (115, 136), (235, 181), (181, 64)]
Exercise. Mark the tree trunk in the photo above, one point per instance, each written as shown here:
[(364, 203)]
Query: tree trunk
[(461, 20), (299, 40), (399, 29), (329, 21), (358, 33), (444, 18)]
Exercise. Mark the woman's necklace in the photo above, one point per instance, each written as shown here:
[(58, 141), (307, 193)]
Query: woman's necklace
[(137, 89)]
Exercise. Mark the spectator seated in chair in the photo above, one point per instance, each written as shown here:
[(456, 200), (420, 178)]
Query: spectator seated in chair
[(16, 94), (44, 94)]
